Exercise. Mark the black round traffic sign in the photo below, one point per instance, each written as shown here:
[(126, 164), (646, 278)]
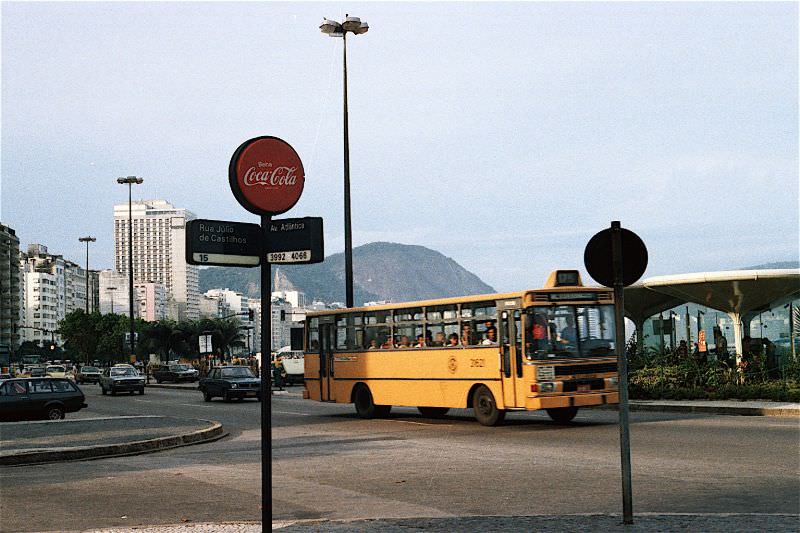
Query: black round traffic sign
[(597, 257)]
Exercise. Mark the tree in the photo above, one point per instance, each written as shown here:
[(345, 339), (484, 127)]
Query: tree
[(227, 335), (79, 332)]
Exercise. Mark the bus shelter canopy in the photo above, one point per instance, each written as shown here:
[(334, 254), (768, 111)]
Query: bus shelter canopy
[(739, 293)]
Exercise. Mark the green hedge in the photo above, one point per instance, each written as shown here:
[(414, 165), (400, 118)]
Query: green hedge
[(713, 381)]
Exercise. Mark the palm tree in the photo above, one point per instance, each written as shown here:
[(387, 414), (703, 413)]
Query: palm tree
[(227, 335)]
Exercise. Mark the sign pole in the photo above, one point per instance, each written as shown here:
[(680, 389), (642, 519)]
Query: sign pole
[(266, 374), (622, 370)]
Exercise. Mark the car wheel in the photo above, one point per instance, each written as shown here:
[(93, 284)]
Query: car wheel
[(103, 390), (141, 391), (225, 397), (158, 381), (485, 407), (131, 392), (562, 415), (55, 413), (206, 396), (113, 392)]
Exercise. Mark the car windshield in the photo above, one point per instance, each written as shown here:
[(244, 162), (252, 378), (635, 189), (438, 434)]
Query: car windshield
[(569, 331), (56, 368), (89, 369), (242, 372), (179, 368), (123, 372)]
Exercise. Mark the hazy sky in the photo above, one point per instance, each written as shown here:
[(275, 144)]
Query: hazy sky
[(502, 134)]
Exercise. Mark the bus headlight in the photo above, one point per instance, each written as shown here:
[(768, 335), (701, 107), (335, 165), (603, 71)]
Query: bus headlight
[(547, 387), (545, 373)]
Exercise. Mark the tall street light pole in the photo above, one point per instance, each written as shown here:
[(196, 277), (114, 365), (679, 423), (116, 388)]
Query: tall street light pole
[(129, 181), (87, 240), (334, 29)]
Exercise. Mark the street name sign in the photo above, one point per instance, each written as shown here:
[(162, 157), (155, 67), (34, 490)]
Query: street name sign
[(296, 240), (222, 243)]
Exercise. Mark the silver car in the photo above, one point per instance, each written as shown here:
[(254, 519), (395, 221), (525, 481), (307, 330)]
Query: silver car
[(121, 379)]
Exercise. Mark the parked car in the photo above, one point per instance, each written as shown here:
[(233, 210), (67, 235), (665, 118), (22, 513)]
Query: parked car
[(37, 372), (230, 382), (121, 379), (56, 371), (176, 373), (88, 374), (51, 398)]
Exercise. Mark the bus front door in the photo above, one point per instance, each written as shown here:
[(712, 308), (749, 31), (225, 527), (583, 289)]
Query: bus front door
[(326, 339), (508, 355)]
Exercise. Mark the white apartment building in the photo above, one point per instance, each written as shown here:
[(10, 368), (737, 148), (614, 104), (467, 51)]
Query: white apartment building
[(159, 252), (236, 301), (54, 287), (213, 307), (114, 297), (152, 301), (296, 298)]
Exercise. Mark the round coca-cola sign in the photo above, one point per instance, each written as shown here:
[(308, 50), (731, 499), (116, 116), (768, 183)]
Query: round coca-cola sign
[(266, 176)]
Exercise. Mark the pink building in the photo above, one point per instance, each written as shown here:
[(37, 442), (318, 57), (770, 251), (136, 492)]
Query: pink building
[(152, 298)]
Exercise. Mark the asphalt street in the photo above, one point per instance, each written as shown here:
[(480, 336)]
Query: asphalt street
[(329, 464)]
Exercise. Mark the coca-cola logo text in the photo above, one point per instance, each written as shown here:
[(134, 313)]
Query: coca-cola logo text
[(270, 177)]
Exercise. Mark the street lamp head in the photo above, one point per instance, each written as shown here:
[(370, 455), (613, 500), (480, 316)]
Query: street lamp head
[(351, 24), (129, 180), (364, 28), (87, 239), (330, 27)]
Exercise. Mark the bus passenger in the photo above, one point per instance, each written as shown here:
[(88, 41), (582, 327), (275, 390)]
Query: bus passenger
[(373, 345), (440, 340), (405, 342), (452, 340), (389, 344), (491, 336), (467, 337), (420, 341)]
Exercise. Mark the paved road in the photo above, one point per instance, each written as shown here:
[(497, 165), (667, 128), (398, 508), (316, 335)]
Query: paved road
[(329, 464)]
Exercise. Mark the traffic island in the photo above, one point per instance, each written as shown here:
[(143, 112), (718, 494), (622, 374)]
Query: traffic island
[(24, 443)]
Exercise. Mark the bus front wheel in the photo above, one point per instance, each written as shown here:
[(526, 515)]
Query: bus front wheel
[(365, 407), (486, 411), (562, 415)]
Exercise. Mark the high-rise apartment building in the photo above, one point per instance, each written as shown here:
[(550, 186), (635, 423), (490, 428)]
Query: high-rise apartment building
[(113, 291), (9, 289), (152, 301), (54, 287), (159, 252)]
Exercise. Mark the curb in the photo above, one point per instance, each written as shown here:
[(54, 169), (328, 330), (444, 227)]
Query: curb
[(202, 436), (718, 410), (172, 387)]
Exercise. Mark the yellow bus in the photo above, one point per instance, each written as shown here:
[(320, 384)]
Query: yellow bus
[(552, 348)]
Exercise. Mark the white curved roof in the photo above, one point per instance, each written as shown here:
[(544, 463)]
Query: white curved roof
[(731, 291)]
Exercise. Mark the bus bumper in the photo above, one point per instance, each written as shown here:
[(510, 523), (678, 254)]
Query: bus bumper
[(578, 400)]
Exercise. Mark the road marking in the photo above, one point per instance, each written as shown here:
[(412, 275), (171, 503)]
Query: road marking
[(292, 413), (417, 423)]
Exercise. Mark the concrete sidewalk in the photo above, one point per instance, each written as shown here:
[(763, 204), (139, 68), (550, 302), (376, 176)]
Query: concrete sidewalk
[(89, 438), (645, 523)]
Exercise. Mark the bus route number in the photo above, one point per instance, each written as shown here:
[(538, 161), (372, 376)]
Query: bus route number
[(477, 362), (289, 257)]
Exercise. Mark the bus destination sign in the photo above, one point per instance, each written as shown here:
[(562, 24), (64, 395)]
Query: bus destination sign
[(296, 240), (222, 243)]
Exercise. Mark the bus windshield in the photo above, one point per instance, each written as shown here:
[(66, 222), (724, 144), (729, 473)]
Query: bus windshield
[(569, 331)]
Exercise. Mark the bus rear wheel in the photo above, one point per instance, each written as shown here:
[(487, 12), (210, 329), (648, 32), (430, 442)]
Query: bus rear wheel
[(562, 415), (486, 411), (433, 412), (365, 407)]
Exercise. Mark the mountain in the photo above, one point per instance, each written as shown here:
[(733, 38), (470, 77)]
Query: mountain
[(772, 266), (381, 271)]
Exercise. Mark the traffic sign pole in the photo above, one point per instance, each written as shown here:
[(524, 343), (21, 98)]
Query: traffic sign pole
[(622, 371), (266, 374)]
